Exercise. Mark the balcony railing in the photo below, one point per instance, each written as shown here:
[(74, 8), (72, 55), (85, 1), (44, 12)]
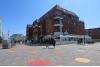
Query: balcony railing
[(56, 25)]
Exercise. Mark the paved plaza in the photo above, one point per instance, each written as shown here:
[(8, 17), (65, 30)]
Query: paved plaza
[(62, 55)]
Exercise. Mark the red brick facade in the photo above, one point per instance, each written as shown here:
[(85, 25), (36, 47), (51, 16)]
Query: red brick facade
[(94, 33), (29, 32), (46, 24)]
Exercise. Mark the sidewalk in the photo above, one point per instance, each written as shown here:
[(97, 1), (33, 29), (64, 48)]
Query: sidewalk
[(65, 55)]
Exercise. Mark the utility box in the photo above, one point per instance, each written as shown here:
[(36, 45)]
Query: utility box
[(6, 44)]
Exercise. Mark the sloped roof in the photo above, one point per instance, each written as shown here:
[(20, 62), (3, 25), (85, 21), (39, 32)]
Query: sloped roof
[(58, 8), (64, 10)]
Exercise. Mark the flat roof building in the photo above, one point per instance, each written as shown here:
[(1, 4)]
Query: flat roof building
[(94, 33)]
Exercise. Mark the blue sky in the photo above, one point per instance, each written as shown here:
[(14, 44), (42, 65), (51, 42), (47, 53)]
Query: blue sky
[(16, 14)]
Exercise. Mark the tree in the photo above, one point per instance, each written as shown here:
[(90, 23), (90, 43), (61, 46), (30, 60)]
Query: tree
[(17, 37)]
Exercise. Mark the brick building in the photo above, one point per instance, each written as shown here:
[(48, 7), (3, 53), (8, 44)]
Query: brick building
[(29, 32), (56, 21), (94, 33)]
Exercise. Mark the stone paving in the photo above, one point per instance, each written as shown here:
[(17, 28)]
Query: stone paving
[(62, 55)]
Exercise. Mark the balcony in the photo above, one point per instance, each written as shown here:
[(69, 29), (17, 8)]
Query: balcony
[(56, 25)]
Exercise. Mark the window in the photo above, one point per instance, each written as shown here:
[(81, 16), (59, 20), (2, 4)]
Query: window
[(56, 21), (57, 29), (48, 25)]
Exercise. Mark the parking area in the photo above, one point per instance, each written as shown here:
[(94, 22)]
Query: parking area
[(62, 55)]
